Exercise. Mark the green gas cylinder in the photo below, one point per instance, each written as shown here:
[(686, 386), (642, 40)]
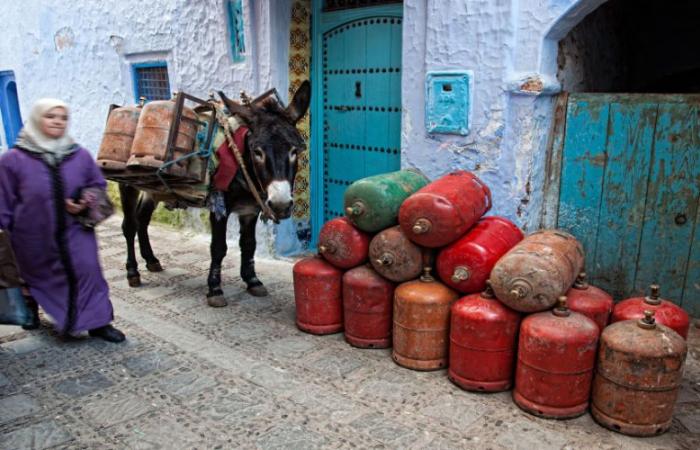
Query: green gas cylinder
[(372, 203)]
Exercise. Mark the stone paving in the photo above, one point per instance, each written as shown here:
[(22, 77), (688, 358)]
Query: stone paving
[(243, 376)]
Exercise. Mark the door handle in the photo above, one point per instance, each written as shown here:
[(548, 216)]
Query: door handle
[(681, 219)]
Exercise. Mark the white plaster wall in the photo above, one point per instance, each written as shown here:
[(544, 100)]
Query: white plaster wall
[(81, 51)]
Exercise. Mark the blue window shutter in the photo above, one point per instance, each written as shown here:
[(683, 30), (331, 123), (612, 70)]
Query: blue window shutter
[(236, 29)]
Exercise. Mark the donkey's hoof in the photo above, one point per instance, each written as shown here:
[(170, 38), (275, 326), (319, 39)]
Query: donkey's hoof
[(216, 301), (134, 280), (258, 291), (154, 267)]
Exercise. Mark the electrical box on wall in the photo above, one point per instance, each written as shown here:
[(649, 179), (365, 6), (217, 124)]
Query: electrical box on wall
[(448, 102)]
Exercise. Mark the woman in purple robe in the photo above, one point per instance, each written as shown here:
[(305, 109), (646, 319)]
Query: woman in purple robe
[(56, 254)]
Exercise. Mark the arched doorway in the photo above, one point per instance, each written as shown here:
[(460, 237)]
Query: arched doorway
[(628, 130)]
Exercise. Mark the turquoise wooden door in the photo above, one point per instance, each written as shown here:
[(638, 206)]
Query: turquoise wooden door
[(630, 187), (360, 103)]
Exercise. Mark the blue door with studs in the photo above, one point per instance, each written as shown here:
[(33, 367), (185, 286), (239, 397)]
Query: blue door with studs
[(357, 116)]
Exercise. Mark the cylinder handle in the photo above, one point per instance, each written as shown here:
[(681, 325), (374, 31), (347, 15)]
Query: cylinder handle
[(561, 309), (653, 298), (581, 281), (648, 322), (421, 226), (142, 101), (461, 273), (356, 209), (386, 259), (520, 289), (328, 247), (488, 292), (427, 277)]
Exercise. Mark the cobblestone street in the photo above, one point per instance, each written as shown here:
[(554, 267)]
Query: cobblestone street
[(243, 376)]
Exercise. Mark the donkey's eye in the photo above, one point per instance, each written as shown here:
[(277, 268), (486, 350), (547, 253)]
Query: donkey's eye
[(293, 154), (259, 154)]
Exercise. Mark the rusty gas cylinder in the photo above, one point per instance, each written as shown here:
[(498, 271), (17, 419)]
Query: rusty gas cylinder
[(318, 296), (367, 305), (640, 366), (343, 245), (150, 146), (556, 355), (394, 256), (590, 301), (539, 269), (465, 264), (422, 323), (444, 210), (665, 312), (118, 137), (372, 203), (483, 339)]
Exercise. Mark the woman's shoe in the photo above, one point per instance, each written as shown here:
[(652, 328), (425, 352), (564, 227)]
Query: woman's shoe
[(34, 308), (108, 333)]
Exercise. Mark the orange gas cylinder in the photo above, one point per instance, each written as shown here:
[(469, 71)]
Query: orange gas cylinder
[(465, 264), (318, 296), (394, 256), (118, 137), (343, 245), (150, 146), (539, 269), (483, 342), (665, 312), (422, 323), (444, 210), (639, 372), (556, 355), (590, 301), (367, 305)]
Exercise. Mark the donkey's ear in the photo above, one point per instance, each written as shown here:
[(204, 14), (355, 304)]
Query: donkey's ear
[(300, 103), (237, 109)]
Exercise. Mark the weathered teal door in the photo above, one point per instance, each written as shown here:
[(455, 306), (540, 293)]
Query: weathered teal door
[(358, 118), (630, 187)]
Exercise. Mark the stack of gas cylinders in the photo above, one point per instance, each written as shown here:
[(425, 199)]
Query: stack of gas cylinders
[(500, 310)]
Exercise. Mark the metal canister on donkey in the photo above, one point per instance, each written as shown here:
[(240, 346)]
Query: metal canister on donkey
[(466, 264), (318, 296), (367, 308), (665, 312), (118, 136), (483, 343), (556, 355), (342, 244), (150, 145), (372, 203), (539, 269), (444, 210), (638, 376), (394, 257), (422, 323)]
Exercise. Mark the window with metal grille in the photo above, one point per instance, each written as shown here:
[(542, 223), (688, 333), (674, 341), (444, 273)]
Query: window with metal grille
[(236, 29), (336, 5), (151, 81)]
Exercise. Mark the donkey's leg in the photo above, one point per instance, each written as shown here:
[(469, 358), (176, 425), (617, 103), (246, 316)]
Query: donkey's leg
[(145, 210), (129, 197), (247, 244), (217, 249)]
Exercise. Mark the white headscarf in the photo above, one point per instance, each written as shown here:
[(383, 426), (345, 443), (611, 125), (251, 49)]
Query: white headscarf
[(33, 139)]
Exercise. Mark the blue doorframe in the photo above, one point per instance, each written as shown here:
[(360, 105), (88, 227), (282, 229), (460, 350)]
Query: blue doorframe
[(9, 107), (321, 23)]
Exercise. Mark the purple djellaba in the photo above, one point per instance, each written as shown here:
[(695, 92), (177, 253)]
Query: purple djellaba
[(56, 254)]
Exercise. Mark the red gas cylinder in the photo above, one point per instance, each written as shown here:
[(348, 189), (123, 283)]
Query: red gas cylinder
[(556, 356), (483, 339), (665, 312), (318, 296), (367, 306), (590, 301), (444, 210), (465, 264), (343, 245)]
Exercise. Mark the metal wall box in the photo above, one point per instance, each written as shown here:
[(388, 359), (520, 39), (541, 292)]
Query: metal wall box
[(448, 102)]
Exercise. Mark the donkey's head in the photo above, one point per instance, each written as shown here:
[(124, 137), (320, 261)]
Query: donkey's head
[(274, 144)]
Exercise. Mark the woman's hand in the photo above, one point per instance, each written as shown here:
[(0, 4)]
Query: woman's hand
[(75, 207)]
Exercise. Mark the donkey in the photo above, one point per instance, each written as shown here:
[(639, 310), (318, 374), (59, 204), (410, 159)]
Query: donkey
[(272, 147)]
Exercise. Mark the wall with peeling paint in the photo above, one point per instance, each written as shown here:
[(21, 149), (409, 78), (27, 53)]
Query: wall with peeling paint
[(81, 51)]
